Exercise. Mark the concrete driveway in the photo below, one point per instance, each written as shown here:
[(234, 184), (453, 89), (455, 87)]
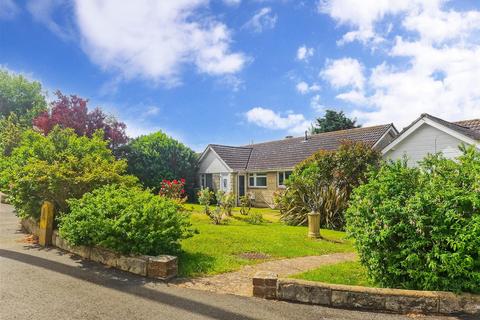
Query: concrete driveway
[(37, 283)]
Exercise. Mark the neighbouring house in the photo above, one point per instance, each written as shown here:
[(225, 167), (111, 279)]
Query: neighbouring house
[(260, 169), (429, 135)]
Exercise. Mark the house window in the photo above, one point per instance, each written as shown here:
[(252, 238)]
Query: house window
[(257, 180), (206, 180), (282, 177)]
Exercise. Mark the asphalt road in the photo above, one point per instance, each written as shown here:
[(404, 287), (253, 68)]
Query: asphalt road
[(37, 283)]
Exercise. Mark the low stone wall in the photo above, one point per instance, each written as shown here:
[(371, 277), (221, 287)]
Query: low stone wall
[(160, 267), (267, 285)]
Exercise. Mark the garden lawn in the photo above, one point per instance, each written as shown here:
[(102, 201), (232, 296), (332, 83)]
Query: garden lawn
[(216, 248), (349, 273)]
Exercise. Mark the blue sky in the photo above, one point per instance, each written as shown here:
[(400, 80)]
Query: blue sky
[(236, 71)]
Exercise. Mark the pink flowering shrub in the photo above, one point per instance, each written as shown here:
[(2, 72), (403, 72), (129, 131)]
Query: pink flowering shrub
[(173, 189)]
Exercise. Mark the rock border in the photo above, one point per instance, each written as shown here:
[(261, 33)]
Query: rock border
[(267, 285), (163, 267)]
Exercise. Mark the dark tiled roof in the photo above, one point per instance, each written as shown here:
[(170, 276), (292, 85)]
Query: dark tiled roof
[(469, 128), (288, 152), (473, 124), (235, 157)]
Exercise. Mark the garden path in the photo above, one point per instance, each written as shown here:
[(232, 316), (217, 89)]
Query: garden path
[(240, 282)]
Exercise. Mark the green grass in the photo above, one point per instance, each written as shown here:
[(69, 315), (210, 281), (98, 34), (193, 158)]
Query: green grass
[(216, 248), (349, 273)]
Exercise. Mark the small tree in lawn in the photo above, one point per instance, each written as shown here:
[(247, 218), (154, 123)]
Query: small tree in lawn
[(72, 112), (205, 197), (333, 121)]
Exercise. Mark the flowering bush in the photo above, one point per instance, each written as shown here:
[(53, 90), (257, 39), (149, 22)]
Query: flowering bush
[(174, 189)]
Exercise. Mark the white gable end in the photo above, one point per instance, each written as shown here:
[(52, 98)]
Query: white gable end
[(425, 140), (211, 163)]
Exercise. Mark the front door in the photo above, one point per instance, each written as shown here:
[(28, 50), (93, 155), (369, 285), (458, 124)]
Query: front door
[(241, 186)]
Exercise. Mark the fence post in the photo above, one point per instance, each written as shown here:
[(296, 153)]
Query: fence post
[(46, 224), (314, 224)]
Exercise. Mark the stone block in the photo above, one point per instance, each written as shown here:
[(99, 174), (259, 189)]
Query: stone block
[(162, 267), (104, 256), (450, 303), (358, 300), (137, 265), (54, 238), (405, 304), (82, 251)]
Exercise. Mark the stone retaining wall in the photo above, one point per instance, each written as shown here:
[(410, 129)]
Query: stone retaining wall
[(161, 267), (267, 285)]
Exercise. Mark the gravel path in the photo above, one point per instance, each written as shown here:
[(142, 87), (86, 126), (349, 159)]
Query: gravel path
[(240, 282)]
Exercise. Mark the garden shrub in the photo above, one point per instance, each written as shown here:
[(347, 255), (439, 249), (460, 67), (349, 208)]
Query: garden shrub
[(254, 217), (126, 219), (156, 156), (245, 204), (57, 167), (205, 198), (226, 201), (419, 228), (174, 190), (323, 183)]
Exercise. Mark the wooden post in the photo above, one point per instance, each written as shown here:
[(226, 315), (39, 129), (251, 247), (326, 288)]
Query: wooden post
[(46, 224), (314, 225)]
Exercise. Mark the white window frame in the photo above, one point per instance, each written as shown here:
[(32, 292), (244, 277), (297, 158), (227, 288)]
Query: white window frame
[(225, 177), (255, 176), (284, 178)]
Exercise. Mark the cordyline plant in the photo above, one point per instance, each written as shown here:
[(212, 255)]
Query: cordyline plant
[(323, 184), (174, 189)]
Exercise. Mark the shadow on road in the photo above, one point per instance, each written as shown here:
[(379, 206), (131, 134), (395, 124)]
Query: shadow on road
[(118, 281)]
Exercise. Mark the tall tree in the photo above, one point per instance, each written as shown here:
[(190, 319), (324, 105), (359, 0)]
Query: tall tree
[(333, 121), (155, 157), (72, 112), (20, 96)]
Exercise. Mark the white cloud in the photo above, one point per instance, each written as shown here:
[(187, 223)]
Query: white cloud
[(42, 11), (364, 16), (151, 111), (305, 88), (232, 2), (353, 96), (303, 53), (262, 20), (156, 39), (8, 9), (316, 105), (343, 73), (266, 118), (440, 60)]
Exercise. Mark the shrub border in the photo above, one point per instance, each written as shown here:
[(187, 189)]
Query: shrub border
[(267, 285), (162, 267)]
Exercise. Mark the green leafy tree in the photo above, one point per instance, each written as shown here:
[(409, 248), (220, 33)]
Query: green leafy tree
[(419, 228), (20, 96), (126, 219), (323, 183), (157, 157), (58, 167), (10, 134), (333, 121)]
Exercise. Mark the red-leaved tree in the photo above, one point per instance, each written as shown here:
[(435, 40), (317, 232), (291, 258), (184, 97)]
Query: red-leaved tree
[(72, 112)]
